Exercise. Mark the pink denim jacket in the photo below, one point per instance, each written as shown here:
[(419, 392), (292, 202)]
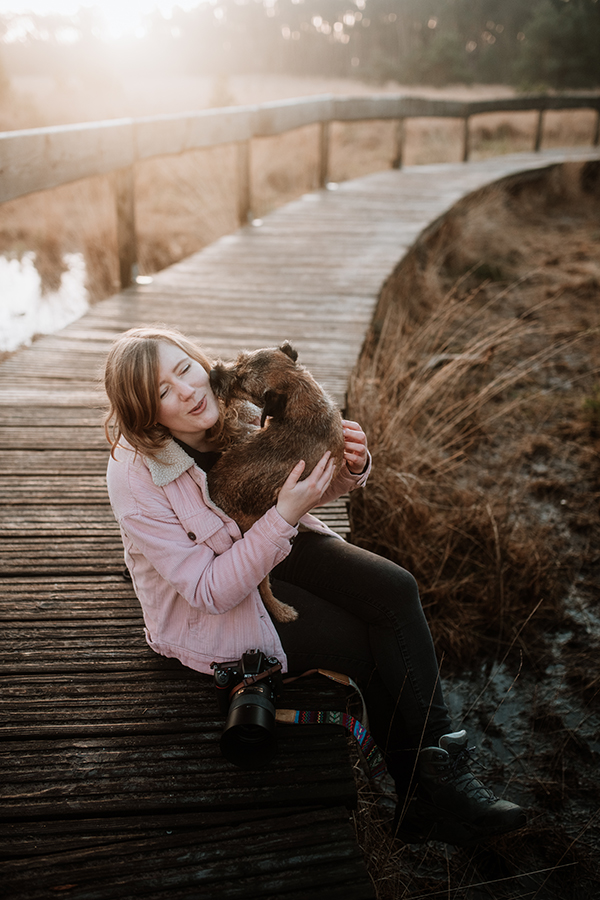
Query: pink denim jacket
[(195, 576)]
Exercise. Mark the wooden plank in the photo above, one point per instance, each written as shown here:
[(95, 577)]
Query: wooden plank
[(54, 462), (190, 854), (128, 729)]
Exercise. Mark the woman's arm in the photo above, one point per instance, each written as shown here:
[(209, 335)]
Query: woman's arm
[(171, 534), (191, 547), (213, 580)]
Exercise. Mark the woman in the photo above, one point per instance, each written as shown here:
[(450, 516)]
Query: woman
[(196, 577)]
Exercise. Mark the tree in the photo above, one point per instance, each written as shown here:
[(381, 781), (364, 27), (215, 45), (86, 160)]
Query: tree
[(562, 45)]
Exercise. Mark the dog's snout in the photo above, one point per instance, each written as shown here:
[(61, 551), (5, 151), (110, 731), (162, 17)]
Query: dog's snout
[(274, 405)]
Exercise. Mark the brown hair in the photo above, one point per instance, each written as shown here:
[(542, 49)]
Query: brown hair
[(131, 383)]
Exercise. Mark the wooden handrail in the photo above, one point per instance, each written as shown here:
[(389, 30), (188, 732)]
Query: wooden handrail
[(40, 158)]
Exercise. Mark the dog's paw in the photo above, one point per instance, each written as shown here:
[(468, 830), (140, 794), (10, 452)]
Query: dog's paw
[(280, 611), (283, 612)]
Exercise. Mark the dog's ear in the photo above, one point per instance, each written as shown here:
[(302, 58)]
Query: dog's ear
[(274, 405), (287, 348), (222, 379)]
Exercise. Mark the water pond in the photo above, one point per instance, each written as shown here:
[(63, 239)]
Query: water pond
[(28, 307)]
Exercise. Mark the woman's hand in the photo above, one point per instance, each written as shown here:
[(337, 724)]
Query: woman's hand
[(296, 497), (356, 452)]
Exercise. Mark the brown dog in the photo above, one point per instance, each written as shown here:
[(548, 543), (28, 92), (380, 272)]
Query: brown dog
[(303, 423)]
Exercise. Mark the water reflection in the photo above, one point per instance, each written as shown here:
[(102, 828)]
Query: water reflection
[(26, 309)]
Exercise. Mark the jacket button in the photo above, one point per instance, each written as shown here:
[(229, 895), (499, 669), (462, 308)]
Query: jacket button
[(191, 535)]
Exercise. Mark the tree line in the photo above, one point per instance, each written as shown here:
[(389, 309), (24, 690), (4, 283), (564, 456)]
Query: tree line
[(532, 45)]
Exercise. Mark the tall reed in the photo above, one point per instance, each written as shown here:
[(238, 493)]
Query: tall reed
[(435, 389)]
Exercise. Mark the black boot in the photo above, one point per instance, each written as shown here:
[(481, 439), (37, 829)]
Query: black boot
[(450, 803)]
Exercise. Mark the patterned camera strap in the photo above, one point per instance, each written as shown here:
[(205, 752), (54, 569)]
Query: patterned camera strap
[(369, 748)]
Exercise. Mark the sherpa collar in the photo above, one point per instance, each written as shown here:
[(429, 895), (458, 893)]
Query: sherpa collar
[(169, 464), (173, 461)]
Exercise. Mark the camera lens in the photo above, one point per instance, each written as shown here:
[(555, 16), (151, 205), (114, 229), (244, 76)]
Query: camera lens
[(248, 740)]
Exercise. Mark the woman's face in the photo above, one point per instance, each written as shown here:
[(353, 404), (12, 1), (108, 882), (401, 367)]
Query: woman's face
[(188, 407)]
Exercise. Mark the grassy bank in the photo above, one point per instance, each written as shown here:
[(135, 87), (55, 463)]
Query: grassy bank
[(479, 390)]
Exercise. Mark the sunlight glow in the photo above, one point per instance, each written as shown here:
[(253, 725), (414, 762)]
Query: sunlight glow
[(117, 18)]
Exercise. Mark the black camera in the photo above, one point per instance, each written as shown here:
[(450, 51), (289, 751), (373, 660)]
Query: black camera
[(246, 693)]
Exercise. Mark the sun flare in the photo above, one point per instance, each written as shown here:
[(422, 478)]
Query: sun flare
[(116, 18)]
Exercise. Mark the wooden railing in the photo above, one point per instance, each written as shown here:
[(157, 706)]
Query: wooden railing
[(42, 158)]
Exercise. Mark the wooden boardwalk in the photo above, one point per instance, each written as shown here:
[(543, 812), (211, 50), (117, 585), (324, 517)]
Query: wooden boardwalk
[(112, 781)]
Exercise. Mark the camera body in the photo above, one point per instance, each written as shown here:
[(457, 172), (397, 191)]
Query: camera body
[(246, 693)]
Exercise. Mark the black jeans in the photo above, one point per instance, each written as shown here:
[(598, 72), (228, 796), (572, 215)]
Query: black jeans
[(360, 614)]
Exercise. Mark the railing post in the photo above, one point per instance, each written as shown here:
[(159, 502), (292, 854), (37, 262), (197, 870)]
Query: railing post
[(539, 132), (125, 207), (323, 154), (244, 182), (466, 140), (597, 131), (400, 137)]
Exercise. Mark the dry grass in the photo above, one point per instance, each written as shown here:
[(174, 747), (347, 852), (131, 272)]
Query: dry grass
[(520, 867), (453, 383), (183, 203), (77, 217), (479, 388), (502, 868), (550, 768), (477, 391), (494, 134), (553, 858)]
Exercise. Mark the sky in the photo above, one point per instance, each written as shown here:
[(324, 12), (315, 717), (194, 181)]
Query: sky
[(120, 16)]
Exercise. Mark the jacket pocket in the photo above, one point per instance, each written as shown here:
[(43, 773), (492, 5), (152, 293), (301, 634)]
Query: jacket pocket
[(214, 534)]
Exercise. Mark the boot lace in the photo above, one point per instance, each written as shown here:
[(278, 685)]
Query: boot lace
[(459, 772)]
